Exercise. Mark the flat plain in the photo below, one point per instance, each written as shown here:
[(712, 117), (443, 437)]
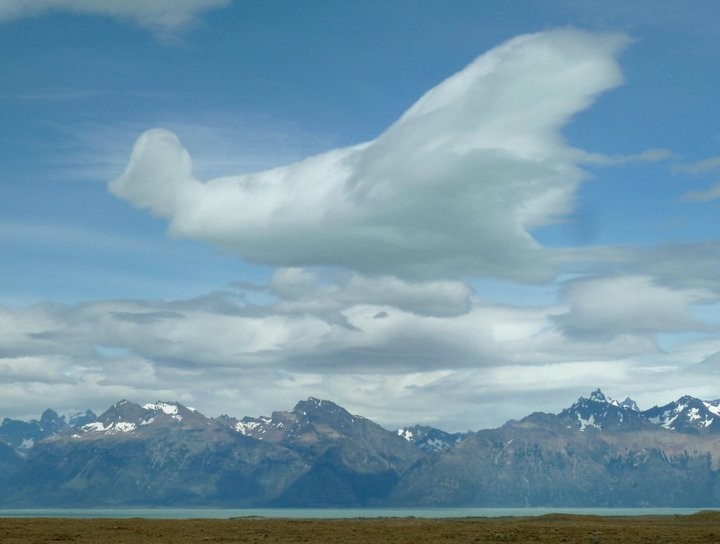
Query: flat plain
[(703, 527)]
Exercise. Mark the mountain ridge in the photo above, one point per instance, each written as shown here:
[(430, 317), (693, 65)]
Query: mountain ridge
[(597, 452)]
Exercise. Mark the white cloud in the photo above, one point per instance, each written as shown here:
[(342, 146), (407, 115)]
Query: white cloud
[(162, 16), (649, 155), (453, 188), (707, 195), (301, 291), (28, 369), (682, 266), (710, 365), (611, 306), (696, 168), (396, 358), (700, 167)]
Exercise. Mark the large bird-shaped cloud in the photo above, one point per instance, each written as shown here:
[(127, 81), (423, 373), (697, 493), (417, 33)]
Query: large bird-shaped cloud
[(453, 188)]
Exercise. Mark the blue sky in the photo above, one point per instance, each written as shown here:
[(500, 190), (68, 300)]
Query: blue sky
[(545, 225)]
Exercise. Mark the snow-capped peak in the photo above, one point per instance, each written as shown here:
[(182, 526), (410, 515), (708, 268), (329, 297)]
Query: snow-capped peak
[(599, 396), (602, 412), (688, 414), (165, 407), (171, 409)]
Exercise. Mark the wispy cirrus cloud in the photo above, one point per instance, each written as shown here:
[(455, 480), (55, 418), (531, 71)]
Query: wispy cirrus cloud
[(649, 155), (699, 167), (98, 152), (703, 195), (164, 17)]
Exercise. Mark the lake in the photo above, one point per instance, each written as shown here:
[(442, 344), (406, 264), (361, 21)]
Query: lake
[(331, 513)]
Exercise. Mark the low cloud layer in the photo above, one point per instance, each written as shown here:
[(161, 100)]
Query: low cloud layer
[(453, 188), (387, 348)]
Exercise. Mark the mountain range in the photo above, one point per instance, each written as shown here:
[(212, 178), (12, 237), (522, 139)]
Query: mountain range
[(597, 452)]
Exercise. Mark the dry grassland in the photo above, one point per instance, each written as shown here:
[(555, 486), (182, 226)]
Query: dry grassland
[(701, 528)]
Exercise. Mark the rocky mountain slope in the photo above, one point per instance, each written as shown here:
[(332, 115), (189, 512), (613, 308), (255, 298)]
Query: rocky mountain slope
[(597, 452)]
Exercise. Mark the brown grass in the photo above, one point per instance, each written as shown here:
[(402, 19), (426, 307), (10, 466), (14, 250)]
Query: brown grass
[(701, 528)]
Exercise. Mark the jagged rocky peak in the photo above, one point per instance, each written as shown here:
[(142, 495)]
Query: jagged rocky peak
[(314, 405), (602, 412), (51, 422), (599, 396), (82, 418), (688, 415), (630, 404), (51, 416)]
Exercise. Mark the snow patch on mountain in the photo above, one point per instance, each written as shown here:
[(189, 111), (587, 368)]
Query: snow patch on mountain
[(666, 419), (430, 439), (250, 427), (165, 407), (405, 433), (124, 426), (110, 428), (589, 422), (713, 406)]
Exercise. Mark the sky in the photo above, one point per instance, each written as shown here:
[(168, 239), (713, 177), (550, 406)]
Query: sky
[(449, 213)]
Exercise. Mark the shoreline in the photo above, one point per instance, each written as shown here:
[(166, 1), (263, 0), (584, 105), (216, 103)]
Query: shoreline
[(702, 527), (202, 512)]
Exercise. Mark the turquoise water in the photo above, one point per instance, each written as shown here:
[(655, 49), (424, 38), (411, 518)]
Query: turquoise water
[(329, 513)]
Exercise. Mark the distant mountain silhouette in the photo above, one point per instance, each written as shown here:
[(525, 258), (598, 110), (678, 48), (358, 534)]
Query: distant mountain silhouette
[(597, 452)]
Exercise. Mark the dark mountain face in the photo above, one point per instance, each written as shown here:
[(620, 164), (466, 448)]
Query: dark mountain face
[(165, 453), (540, 461), (597, 452), (354, 460), (162, 453), (21, 435), (10, 460)]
